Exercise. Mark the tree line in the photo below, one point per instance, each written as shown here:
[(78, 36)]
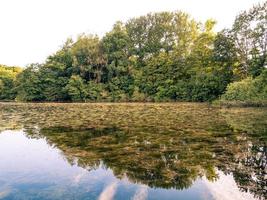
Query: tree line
[(165, 56)]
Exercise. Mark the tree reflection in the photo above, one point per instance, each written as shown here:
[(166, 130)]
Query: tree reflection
[(168, 160), (167, 152)]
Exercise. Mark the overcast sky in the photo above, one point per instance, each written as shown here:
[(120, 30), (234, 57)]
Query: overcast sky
[(30, 30)]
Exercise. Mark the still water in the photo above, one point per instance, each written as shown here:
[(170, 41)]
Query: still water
[(132, 151)]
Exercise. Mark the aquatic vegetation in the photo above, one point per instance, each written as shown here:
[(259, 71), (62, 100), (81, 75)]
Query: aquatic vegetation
[(166, 145)]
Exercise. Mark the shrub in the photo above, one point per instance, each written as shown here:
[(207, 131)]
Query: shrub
[(248, 89)]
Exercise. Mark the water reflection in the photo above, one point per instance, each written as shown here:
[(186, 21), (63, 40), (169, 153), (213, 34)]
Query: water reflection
[(152, 151)]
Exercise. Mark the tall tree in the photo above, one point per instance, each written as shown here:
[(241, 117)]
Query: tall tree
[(249, 33), (88, 58)]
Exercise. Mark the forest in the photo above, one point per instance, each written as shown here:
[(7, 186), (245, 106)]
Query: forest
[(165, 56)]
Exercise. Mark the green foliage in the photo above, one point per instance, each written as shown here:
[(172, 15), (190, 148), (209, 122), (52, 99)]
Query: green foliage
[(242, 90), (165, 56), (138, 96), (7, 82), (28, 86), (53, 83), (250, 39), (76, 88), (248, 89), (94, 91), (204, 87)]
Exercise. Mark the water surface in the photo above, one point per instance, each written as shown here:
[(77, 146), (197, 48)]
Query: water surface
[(132, 151)]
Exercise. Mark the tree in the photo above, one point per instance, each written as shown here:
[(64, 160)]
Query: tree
[(28, 85), (206, 81), (119, 77), (249, 33), (76, 88), (7, 82), (165, 56), (160, 32), (88, 59)]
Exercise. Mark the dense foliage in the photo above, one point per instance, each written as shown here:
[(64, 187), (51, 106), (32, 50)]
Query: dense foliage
[(166, 56), (7, 81), (248, 89)]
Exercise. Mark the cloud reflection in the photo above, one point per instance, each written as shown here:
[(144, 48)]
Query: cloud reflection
[(141, 193), (225, 188), (4, 192), (109, 192)]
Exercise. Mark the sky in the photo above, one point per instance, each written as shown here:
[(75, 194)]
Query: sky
[(30, 30)]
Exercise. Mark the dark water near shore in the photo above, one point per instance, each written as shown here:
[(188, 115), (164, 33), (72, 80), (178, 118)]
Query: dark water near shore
[(132, 151)]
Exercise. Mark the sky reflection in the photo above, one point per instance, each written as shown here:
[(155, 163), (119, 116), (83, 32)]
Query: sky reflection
[(33, 168)]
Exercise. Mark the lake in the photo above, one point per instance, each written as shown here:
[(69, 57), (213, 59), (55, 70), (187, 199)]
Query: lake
[(132, 151)]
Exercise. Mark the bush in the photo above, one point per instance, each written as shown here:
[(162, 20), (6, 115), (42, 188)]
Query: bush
[(241, 91), (248, 89)]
